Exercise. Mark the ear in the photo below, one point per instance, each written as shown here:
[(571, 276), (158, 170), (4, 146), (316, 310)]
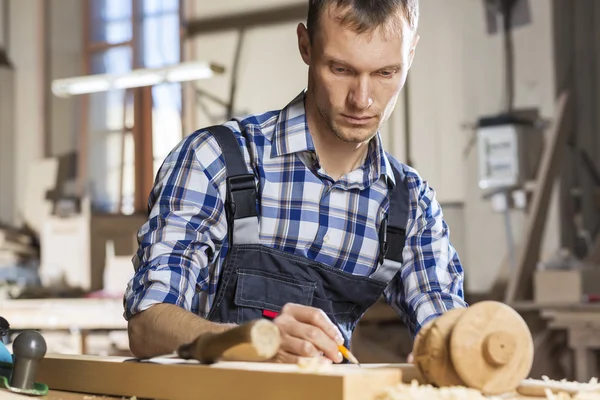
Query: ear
[(411, 55), (303, 43)]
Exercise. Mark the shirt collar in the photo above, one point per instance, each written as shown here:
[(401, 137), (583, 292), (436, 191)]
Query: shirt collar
[(290, 135)]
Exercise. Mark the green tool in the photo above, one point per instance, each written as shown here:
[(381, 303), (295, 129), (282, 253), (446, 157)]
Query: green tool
[(28, 349), (38, 389)]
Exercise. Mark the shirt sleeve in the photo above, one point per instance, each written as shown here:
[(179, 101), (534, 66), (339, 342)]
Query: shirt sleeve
[(185, 229), (430, 281)]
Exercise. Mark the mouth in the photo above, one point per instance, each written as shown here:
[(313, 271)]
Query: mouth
[(358, 120)]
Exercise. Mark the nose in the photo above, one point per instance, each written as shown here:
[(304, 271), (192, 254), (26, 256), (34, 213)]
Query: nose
[(360, 95)]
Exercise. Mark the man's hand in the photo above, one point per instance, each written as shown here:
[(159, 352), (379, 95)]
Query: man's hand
[(307, 332)]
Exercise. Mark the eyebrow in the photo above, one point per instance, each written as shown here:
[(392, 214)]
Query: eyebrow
[(333, 60)]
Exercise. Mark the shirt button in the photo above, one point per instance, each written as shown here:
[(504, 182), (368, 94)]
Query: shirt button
[(326, 239)]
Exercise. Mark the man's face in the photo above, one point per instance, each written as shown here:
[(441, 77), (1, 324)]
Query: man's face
[(355, 78)]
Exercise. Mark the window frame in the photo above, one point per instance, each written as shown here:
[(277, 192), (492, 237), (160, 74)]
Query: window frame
[(141, 129)]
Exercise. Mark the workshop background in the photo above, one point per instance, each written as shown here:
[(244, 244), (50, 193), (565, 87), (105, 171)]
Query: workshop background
[(502, 119)]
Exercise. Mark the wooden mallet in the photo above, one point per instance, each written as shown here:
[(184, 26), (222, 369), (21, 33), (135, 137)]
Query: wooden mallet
[(255, 341)]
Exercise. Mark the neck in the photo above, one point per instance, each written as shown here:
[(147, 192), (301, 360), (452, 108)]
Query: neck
[(337, 157)]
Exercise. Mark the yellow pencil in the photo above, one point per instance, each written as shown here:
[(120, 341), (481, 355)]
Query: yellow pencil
[(349, 356)]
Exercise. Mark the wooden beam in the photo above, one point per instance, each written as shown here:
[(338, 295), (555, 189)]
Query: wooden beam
[(144, 157), (520, 285), (180, 380), (249, 19)]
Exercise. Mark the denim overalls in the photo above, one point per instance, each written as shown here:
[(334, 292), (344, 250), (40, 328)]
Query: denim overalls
[(257, 281)]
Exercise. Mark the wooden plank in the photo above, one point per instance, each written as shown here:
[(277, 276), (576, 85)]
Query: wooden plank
[(55, 395), (64, 314), (520, 285), (566, 315), (144, 157), (246, 20), (180, 380)]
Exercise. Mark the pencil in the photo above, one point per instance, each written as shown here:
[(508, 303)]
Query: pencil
[(349, 356)]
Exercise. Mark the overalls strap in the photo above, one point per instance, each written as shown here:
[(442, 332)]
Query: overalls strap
[(392, 232), (241, 191)]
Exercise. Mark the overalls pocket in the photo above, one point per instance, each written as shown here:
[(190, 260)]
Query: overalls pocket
[(339, 309), (259, 293)]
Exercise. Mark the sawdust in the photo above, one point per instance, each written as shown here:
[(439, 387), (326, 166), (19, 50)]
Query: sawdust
[(415, 391), (314, 364), (578, 396)]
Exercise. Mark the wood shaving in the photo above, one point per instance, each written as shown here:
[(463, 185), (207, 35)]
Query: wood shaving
[(414, 391), (566, 396), (314, 364), (563, 389)]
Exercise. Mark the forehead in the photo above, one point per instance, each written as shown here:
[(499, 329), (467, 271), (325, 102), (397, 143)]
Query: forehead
[(341, 36)]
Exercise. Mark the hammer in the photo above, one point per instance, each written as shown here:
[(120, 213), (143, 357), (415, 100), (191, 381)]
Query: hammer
[(255, 341)]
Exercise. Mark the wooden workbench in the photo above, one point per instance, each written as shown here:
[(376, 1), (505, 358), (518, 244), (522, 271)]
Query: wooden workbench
[(582, 324)]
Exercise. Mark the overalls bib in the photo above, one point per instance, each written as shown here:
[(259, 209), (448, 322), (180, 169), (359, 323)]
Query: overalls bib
[(257, 281)]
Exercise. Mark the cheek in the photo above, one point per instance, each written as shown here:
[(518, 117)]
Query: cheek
[(331, 89), (388, 92)]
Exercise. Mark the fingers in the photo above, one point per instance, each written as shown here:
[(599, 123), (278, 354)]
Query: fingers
[(410, 359), (283, 357), (299, 347), (316, 317), (306, 340), (307, 331)]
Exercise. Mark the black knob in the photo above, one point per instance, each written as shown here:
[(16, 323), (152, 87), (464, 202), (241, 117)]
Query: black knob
[(4, 327), (28, 349)]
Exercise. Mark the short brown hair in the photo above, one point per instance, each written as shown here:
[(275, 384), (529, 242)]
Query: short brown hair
[(363, 15)]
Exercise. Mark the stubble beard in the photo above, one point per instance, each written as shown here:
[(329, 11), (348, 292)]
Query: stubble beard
[(348, 135)]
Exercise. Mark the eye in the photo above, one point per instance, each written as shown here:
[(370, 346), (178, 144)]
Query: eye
[(339, 70), (387, 73)]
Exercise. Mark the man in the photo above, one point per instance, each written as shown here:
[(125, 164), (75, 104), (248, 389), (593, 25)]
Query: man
[(299, 215)]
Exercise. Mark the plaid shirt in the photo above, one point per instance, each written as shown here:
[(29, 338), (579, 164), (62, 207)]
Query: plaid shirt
[(302, 211)]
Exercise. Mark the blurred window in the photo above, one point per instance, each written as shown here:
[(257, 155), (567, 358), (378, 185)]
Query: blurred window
[(122, 35)]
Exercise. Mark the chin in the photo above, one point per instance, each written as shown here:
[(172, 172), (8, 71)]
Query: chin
[(355, 135)]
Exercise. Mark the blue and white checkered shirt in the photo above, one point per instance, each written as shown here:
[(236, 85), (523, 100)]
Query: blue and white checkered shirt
[(302, 211)]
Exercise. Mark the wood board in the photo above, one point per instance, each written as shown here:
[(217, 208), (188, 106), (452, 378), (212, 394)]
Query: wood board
[(55, 395), (46, 314), (176, 379)]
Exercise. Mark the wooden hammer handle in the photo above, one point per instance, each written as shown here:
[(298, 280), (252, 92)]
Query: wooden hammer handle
[(258, 340)]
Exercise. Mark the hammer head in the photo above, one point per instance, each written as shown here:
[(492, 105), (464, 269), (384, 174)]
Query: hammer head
[(4, 327)]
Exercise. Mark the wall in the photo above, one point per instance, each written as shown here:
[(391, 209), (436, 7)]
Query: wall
[(25, 52), (65, 60)]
